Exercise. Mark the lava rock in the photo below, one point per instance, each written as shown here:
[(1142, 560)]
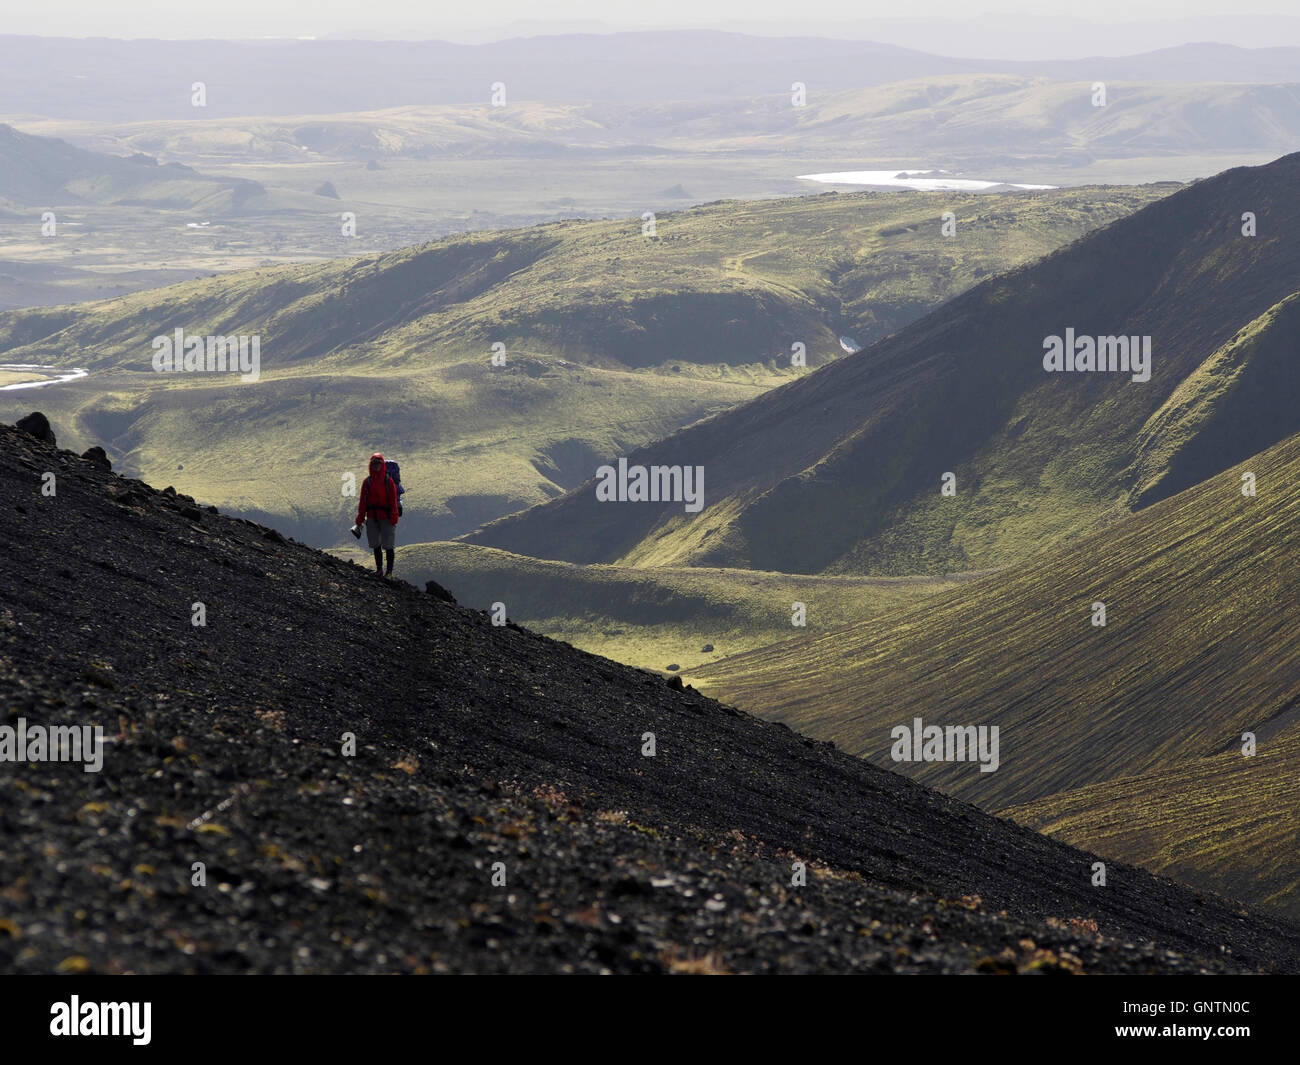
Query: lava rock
[(439, 592), (98, 457), (37, 425)]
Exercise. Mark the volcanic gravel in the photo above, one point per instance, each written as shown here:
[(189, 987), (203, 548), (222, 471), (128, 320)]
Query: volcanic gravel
[(483, 754)]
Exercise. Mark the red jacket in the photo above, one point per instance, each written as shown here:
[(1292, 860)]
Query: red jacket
[(378, 500)]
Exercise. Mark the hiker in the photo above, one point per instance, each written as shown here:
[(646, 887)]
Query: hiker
[(379, 507)]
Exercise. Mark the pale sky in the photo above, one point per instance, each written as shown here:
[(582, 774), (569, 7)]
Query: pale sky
[(439, 19)]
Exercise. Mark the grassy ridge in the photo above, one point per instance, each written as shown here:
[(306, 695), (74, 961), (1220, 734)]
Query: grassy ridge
[(1236, 403), (1226, 823), (724, 283)]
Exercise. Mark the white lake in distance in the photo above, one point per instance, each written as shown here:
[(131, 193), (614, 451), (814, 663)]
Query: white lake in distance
[(920, 180)]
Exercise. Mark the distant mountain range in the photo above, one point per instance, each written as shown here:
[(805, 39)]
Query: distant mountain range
[(1003, 122), (119, 80)]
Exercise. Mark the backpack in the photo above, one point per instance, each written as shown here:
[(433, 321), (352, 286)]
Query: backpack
[(395, 472)]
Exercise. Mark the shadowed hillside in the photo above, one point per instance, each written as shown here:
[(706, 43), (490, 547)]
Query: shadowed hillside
[(840, 472), (1197, 649), (1223, 822), (484, 745)]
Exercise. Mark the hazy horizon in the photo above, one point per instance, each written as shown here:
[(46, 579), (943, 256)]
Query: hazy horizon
[(1053, 30)]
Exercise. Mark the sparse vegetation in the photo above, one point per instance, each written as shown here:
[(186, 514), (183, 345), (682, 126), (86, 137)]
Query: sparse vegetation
[(393, 350), (649, 617), (1126, 738)]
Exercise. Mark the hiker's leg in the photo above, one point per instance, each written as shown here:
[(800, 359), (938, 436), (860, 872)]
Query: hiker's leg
[(388, 538), (375, 538)]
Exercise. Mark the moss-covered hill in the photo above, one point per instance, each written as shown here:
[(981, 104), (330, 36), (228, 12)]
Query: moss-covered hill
[(841, 472), (611, 340), (1124, 737)]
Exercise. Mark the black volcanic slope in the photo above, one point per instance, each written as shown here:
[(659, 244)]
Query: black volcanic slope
[(475, 745)]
